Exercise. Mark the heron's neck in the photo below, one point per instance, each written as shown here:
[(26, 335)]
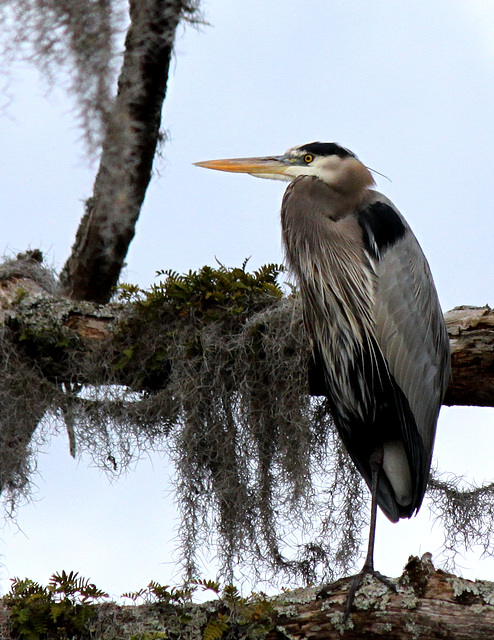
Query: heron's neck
[(342, 202), (348, 183)]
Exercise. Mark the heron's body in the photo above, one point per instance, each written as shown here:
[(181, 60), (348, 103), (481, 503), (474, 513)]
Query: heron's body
[(379, 338), (371, 308)]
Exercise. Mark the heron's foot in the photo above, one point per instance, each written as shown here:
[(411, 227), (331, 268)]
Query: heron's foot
[(356, 583), (354, 586), (327, 589)]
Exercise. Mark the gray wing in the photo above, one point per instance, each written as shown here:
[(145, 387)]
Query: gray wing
[(410, 327)]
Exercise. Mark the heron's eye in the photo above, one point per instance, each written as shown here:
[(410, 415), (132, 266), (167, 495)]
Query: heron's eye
[(308, 158)]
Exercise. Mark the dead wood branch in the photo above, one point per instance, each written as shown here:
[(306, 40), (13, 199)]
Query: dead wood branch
[(132, 134), (429, 604), (471, 338)]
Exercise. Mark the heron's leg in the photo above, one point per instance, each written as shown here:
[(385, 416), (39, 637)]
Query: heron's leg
[(376, 463)]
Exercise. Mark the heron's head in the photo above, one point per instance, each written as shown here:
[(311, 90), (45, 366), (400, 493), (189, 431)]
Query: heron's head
[(336, 166)]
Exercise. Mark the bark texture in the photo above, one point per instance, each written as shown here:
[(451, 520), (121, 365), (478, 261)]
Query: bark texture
[(471, 338), (133, 132)]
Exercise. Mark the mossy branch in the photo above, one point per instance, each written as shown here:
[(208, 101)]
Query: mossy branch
[(41, 315)]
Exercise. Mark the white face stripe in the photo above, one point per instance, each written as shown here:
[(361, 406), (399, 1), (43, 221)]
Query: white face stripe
[(318, 167), (322, 167), (336, 171), (285, 177)]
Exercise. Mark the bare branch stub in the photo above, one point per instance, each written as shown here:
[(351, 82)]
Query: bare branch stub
[(471, 338), (129, 148)]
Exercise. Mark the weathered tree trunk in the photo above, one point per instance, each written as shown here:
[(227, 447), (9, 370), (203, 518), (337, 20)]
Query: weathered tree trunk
[(133, 131)]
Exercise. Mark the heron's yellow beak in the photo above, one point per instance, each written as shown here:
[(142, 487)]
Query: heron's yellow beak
[(268, 167)]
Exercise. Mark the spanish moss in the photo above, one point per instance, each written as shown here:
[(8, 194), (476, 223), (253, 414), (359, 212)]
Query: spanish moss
[(209, 368)]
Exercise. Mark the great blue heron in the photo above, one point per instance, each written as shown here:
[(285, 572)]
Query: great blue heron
[(372, 312)]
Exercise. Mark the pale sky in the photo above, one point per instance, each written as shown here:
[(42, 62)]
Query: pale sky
[(407, 86)]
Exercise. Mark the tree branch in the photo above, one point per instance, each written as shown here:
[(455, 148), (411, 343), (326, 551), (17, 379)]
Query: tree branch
[(471, 332), (132, 133), (471, 338)]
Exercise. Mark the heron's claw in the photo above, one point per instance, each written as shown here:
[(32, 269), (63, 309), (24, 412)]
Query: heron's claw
[(357, 581), (327, 589), (354, 587)]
